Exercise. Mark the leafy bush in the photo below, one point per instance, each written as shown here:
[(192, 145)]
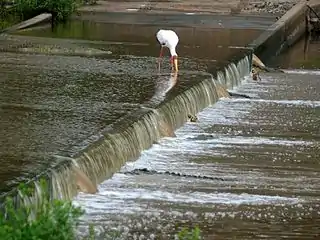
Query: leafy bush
[(60, 9), (186, 234), (7, 16), (48, 220)]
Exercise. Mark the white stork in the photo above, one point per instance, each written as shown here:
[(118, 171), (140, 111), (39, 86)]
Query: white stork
[(169, 39)]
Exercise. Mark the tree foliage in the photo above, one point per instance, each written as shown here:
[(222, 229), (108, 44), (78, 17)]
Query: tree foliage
[(60, 9), (50, 220)]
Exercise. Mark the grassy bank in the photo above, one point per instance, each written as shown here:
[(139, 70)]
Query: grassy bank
[(49, 220)]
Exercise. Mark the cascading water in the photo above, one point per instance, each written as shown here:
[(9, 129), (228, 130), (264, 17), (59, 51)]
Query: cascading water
[(105, 157), (236, 165), (130, 136), (234, 72)]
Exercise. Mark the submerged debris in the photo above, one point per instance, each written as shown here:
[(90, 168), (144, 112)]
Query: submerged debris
[(192, 118), (232, 94), (255, 74), (260, 66), (146, 171)]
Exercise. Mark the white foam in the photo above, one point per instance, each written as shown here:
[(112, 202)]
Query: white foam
[(138, 194), (107, 199), (298, 71), (287, 102)]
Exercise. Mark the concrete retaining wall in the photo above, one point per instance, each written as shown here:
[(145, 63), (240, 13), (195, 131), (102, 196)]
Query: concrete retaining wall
[(283, 34), (314, 14), (39, 19)]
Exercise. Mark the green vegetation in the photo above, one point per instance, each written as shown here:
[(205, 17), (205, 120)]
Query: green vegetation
[(49, 220), (60, 9), (8, 16), (12, 12), (187, 234)]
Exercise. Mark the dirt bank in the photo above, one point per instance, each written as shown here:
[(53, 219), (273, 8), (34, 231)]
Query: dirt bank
[(277, 7)]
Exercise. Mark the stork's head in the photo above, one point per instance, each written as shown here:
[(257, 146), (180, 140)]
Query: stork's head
[(174, 62)]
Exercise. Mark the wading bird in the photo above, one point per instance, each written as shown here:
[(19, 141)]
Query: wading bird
[(169, 39)]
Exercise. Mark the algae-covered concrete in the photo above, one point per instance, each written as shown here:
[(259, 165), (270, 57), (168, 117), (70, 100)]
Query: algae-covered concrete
[(60, 92)]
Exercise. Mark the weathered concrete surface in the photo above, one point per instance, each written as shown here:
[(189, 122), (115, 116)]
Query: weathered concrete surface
[(314, 4), (41, 18), (284, 33), (305, 54), (55, 104), (314, 16), (51, 105), (192, 6)]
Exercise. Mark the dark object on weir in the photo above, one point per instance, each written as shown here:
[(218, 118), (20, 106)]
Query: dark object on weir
[(192, 118), (238, 95)]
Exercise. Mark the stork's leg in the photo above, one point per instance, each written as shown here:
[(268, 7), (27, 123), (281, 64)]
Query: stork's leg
[(160, 56), (172, 65), (161, 53)]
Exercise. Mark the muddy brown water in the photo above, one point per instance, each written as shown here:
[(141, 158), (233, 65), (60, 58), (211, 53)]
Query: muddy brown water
[(248, 169), (61, 90), (50, 105)]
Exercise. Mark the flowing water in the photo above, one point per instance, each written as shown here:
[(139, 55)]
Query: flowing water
[(60, 95), (248, 169), (52, 105)]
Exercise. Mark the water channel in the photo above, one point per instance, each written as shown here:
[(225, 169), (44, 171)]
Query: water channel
[(248, 169), (62, 89)]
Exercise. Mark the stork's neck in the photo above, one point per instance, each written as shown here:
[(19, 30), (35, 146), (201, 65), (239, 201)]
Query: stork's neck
[(173, 51)]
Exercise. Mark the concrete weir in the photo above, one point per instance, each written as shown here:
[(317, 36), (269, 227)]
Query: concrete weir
[(284, 33), (133, 133), (129, 135), (100, 153)]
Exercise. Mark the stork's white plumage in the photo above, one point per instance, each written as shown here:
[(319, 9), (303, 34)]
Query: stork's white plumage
[(169, 39)]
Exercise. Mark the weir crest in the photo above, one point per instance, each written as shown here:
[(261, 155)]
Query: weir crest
[(130, 136)]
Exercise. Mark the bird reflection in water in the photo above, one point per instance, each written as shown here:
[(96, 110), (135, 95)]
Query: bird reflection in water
[(164, 83), (167, 39)]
